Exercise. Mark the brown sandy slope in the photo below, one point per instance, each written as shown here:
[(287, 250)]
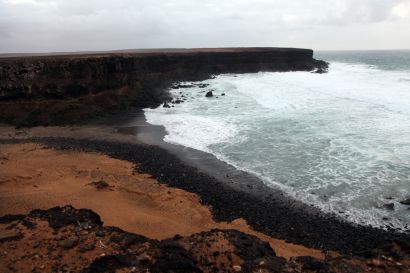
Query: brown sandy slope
[(35, 177)]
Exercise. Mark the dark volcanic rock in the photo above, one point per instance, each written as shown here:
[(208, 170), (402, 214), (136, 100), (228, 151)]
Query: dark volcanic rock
[(58, 217), (66, 89), (310, 263), (321, 70), (70, 242), (405, 202), (132, 252), (178, 86), (100, 185), (202, 85), (209, 94), (389, 206)]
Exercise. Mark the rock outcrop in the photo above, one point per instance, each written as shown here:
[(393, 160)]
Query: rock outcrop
[(65, 239), (58, 89)]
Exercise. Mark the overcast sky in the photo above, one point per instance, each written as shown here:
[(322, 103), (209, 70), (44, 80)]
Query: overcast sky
[(74, 25)]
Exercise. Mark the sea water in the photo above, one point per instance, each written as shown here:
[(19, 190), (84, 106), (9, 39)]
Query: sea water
[(339, 141)]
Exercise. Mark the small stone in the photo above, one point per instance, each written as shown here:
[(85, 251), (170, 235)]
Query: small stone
[(144, 259), (86, 247), (376, 262), (177, 237), (70, 242), (405, 202), (209, 94), (99, 185), (100, 233), (237, 268), (389, 206)]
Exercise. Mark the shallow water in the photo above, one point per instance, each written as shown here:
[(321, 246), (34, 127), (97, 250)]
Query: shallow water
[(339, 141)]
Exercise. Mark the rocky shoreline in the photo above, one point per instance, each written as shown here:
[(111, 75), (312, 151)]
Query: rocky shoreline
[(66, 89), (69, 239), (266, 210)]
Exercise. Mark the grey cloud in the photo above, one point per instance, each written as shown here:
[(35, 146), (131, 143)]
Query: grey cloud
[(68, 25)]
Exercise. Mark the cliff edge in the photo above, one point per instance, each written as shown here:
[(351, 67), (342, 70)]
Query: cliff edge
[(60, 89)]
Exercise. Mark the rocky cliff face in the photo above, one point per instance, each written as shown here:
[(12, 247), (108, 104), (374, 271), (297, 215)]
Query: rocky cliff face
[(67, 88)]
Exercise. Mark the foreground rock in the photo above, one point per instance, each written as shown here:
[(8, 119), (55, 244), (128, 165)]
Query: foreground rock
[(64, 239)]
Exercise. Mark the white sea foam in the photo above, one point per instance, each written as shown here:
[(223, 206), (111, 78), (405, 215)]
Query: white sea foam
[(192, 131), (340, 140)]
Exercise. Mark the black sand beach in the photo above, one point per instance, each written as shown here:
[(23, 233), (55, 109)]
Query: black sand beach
[(233, 194)]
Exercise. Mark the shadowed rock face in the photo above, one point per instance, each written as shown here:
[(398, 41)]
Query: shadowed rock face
[(64, 89)]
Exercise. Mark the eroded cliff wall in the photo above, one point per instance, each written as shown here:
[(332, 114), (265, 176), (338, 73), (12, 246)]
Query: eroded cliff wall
[(67, 88)]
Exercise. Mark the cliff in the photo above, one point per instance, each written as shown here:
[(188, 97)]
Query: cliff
[(59, 89)]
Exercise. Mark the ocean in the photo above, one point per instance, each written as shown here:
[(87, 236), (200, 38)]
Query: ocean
[(339, 141)]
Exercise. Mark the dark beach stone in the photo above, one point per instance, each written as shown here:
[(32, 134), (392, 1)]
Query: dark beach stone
[(70, 242), (177, 236), (166, 105), (86, 247), (11, 218), (223, 94), (130, 239), (100, 233), (11, 236), (58, 217), (111, 263), (99, 185), (175, 263), (310, 263), (320, 71), (178, 86), (405, 202), (209, 94), (389, 206)]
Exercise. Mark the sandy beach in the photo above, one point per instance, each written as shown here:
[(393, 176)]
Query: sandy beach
[(35, 177), (39, 169)]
